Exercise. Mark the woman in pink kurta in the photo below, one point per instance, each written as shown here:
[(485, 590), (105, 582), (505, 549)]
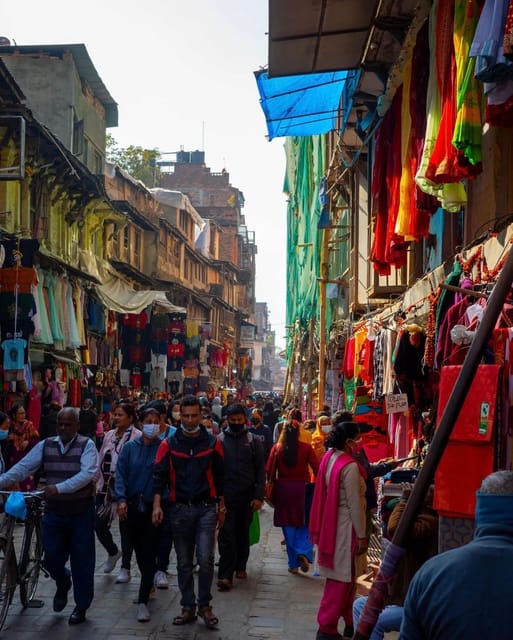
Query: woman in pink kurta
[(337, 527)]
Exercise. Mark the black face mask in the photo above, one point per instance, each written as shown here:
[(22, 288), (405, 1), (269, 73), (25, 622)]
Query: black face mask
[(255, 421), (236, 428)]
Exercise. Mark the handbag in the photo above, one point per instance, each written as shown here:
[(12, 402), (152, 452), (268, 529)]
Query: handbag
[(254, 529), (270, 485)]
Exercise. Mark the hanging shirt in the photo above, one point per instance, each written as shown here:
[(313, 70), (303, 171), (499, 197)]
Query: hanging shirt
[(14, 354)]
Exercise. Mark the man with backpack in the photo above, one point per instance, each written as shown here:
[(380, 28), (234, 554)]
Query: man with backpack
[(244, 479)]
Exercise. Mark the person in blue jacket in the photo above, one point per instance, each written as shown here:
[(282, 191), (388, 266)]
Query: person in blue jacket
[(134, 495), (464, 593)]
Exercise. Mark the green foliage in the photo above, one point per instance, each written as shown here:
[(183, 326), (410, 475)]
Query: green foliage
[(140, 163)]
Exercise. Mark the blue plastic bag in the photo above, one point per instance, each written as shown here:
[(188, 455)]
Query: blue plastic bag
[(15, 505)]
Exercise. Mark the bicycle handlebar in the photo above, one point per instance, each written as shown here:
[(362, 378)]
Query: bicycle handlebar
[(26, 494)]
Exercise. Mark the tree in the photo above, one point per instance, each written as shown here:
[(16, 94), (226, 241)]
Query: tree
[(140, 163)]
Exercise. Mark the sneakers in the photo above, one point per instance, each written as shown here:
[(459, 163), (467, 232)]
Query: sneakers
[(123, 576), (143, 615), (111, 562), (160, 580)]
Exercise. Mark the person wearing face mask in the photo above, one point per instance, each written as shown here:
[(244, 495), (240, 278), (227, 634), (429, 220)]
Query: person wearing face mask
[(174, 414), (261, 431), (190, 466), (244, 479), (323, 428), (4, 434), (337, 527), (134, 496)]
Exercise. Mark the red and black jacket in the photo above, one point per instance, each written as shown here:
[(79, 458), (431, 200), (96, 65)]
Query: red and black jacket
[(191, 467)]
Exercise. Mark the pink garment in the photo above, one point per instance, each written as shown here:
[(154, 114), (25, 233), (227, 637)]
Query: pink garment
[(34, 407), (336, 602), (323, 515)]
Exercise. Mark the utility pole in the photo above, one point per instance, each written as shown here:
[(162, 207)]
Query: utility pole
[(322, 320)]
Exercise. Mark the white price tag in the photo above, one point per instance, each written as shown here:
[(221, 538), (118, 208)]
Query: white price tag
[(396, 402)]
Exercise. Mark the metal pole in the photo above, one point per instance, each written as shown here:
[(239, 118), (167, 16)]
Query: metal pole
[(446, 425)]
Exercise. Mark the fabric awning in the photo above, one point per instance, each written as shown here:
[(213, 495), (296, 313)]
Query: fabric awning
[(307, 104), (117, 295)]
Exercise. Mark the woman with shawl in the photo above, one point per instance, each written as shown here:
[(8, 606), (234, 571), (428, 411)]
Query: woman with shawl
[(290, 464), (22, 437), (337, 527)]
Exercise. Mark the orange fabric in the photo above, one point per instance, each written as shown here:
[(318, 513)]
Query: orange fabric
[(25, 277)]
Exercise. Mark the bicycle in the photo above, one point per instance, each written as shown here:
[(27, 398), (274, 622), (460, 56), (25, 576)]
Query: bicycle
[(25, 571)]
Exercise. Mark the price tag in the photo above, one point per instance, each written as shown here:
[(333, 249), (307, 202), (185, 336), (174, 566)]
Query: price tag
[(396, 402)]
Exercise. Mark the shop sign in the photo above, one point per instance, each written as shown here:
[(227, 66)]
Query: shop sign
[(396, 402)]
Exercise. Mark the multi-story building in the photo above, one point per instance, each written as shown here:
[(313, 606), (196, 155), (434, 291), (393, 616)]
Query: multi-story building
[(233, 278)]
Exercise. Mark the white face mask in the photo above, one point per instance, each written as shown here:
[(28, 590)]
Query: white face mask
[(151, 431), (175, 415), (326, 428), (194, 430)]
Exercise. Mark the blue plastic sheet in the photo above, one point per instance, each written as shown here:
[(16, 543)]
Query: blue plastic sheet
[(307, 104)]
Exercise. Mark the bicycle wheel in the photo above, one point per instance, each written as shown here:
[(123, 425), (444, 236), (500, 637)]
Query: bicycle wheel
[(8, 576), (30, 561)]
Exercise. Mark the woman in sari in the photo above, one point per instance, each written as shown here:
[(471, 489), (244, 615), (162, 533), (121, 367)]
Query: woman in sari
[(22, 437), (337, 527)]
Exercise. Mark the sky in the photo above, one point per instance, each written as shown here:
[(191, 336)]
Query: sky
[(181, 72)]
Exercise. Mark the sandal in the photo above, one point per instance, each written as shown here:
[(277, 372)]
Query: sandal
[(187, 616), (293, 570), (211, 621), (303, 563)]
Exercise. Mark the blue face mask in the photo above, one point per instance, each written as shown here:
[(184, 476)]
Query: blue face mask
[(4, 435), (151, 430)]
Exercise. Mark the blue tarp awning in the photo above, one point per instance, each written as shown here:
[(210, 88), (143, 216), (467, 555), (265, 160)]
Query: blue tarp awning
[(306, 104)]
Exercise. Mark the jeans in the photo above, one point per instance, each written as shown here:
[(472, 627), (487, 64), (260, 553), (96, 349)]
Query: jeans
[(71, 537), (145, 538), (297, 541), (194, 528), (389, 619), (166, 538), (233, 540)]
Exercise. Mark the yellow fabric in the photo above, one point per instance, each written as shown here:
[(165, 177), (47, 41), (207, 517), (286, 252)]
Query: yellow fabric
[(407, 184)]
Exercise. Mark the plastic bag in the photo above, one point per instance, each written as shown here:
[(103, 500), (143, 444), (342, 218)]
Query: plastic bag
[(15, 505), (254, 529)]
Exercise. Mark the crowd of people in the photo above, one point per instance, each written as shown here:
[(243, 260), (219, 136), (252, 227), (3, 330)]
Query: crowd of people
[(193, 473)]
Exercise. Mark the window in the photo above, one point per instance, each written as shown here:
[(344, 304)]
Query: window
[(78, 137), (176, 255), (98, 163), (137, 248)]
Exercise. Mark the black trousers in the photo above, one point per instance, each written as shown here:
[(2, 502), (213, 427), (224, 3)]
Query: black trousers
[(103, 533), (233, 540), (145, 538)]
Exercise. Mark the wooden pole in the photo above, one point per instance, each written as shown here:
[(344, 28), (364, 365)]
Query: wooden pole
[(310, 364), (448, 420), (322, 318)]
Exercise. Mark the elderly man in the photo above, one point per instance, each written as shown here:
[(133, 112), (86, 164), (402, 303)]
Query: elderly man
[(70, 462), (464, 593)]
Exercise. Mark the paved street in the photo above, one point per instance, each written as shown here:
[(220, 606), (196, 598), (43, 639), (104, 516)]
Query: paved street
[(271, 604)]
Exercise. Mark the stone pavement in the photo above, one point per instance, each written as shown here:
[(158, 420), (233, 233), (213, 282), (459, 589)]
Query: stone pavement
[(271, 604)]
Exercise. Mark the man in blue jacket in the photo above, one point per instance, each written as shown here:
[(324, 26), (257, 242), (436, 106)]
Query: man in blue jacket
[(464, 593)]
